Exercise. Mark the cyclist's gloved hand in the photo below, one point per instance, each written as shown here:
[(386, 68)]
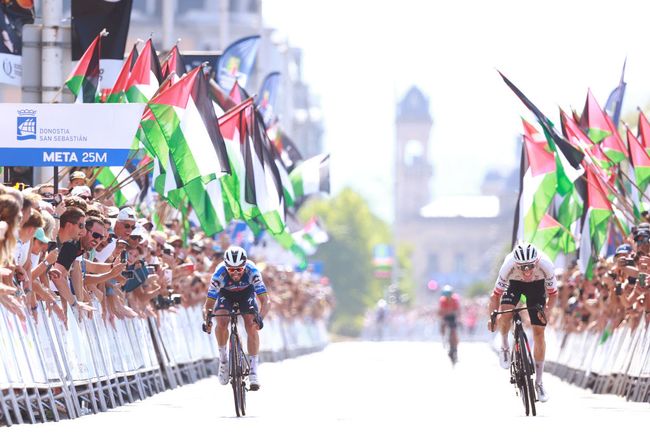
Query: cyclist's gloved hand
[(258, 320), (207, 327)]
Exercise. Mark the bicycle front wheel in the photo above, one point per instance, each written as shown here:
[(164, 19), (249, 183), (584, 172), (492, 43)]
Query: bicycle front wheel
[(529, 371), (519, 374), (235, 374)]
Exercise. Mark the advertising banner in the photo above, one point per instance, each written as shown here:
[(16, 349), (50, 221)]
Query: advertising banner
[(67, 134)]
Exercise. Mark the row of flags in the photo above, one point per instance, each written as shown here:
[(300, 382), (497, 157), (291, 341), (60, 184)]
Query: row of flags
[(581, 185), (209, 149)]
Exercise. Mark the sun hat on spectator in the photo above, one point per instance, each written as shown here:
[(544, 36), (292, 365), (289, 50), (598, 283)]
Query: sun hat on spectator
[(126, 214), (81, 190), (146, 224), (623, 249), (138, 231), (77, 175), (112, 212), (174, 239), (40, 236)]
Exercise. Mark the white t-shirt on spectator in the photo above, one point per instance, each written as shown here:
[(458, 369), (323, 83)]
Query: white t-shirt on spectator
[(21, 252), (108, 251), (35, 260)]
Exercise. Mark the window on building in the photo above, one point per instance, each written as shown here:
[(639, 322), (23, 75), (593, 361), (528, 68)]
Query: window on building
[(459, 263), (432, 263), (413, 149)]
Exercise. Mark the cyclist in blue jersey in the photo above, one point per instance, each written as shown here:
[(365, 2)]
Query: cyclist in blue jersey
[(237, 279)]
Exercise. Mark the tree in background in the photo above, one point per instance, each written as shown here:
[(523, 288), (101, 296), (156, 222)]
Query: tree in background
[(347, 257)]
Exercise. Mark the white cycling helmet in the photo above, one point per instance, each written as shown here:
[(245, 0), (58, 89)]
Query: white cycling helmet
[(525, 253), (234, 256)]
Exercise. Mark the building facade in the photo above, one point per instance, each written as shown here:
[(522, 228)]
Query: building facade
[(457, 240)]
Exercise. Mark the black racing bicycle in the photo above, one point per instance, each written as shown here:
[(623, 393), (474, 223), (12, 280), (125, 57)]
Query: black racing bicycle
[(239, 364), (522, 368)]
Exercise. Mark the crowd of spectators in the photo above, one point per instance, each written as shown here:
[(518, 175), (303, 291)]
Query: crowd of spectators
[(76, 248), (617, 294)]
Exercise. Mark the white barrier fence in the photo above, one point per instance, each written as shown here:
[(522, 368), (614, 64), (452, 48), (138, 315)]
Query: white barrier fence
[(49, 372), (618, 363)]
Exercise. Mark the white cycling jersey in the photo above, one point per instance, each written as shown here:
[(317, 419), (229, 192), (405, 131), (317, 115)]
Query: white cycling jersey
[(544, 270)]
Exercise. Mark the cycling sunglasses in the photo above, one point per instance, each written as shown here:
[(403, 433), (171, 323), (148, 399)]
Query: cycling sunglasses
[(526, 267), (235, 269)]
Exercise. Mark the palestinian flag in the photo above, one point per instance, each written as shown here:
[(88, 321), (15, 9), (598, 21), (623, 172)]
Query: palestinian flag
[(581, 141), (594, 231), (311, 236), (146, 76), (207, 202), (234, 129), (237, 93), (173, 62), (263, 181), (644, 131), (568, 158), (221, 97), (288, 243), (188, 124), (601, 130), (547, 236), (289, 152), (539, 182), (311, 176), (89, 17), (84, 80), (118, 92), (641, 164), (111, 177)]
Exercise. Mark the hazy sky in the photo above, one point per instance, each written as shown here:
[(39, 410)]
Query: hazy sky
[(361, 57)]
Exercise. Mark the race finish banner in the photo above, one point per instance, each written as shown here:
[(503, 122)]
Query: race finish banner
[(67, 134)]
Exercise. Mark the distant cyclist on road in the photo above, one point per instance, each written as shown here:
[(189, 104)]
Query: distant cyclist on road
[(531, 273), (237, 279), (449, 311)]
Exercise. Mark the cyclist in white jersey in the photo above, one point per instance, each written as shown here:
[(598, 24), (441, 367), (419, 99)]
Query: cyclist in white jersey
[(531, 273)]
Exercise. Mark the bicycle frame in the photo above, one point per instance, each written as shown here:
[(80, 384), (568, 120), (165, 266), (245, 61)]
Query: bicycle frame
[(239, 364), (522, 367)]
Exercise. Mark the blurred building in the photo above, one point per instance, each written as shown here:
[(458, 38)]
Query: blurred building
[(457, 240)]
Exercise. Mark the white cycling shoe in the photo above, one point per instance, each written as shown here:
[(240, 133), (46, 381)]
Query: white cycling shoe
[(253, 381), (504, 358), (541, 392), (223, 372)]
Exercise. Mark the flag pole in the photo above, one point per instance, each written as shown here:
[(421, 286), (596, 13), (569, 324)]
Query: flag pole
[(138, 173)]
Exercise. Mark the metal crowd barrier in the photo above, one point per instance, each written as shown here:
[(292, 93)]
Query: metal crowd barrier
[(616, 363), (49, 372)]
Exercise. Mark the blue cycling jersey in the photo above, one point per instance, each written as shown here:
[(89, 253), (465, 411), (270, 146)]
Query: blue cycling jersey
[(221, 281)]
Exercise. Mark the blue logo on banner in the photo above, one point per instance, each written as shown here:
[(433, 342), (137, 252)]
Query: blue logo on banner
[(26, 125)]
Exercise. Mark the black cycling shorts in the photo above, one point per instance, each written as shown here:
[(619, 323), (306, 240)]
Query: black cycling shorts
[(535, 295), (246, 299), (450, 320)]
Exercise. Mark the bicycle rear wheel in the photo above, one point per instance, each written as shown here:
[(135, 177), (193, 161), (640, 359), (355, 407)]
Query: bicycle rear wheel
[(235, 374), (529, 370)]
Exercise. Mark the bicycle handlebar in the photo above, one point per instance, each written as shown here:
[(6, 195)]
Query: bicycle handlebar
[(212, 315), (539, 308)]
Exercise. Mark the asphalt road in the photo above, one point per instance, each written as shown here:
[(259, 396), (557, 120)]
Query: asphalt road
[(368, 387)]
